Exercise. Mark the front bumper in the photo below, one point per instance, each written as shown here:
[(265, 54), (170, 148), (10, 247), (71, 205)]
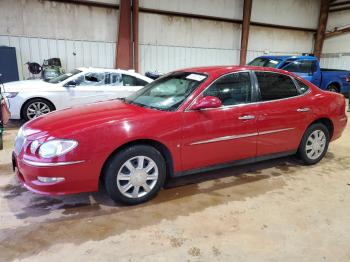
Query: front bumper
[(339, 126), (78, 176)]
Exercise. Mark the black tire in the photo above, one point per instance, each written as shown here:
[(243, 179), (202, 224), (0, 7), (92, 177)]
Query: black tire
[(302, 150), (333, 88), (29, 103), (115, 165)]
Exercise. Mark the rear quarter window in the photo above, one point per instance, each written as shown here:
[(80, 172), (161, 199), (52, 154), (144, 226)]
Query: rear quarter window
[(303, 88)]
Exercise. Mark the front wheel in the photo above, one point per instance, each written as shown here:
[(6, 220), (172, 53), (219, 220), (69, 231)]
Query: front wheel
[(314, 144), (135, 174)]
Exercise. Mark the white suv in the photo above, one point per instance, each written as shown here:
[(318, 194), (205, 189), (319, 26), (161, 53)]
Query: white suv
[(31, 98)]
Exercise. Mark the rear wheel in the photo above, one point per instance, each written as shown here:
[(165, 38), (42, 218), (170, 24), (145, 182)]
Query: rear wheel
[(35, 108), (333, 88), (314, 144), (135, 174)]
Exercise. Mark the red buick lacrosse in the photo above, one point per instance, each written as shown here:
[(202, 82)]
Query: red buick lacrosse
[(185, 122)]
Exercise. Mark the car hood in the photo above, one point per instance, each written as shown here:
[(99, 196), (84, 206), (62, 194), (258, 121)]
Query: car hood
[(25, 85), (73, 120)]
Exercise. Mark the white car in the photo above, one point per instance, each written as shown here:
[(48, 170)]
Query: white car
[(31, 98)]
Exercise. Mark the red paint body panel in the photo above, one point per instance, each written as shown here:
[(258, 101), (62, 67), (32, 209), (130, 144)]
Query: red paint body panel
[(286, 117), (217, 123), (102, 128), (73, 183)]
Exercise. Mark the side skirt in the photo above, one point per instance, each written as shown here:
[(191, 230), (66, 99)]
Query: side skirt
[(235, 163)]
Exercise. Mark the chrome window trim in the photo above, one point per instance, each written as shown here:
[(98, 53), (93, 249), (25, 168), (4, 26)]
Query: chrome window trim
[(300, 95), (225, 138), (281, 99), (46, 164), (258, 89), (276, 131)]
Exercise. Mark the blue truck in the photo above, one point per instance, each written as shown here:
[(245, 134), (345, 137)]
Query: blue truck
[(309, 68)]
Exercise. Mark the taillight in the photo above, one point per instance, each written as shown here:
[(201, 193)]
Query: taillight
[(343, 106)]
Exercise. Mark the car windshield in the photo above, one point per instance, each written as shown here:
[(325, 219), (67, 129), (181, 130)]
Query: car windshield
[(64, 76), (168, 92), (265, 62)]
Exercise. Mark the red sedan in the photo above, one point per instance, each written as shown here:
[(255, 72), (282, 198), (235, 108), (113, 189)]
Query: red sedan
[(186, 122)]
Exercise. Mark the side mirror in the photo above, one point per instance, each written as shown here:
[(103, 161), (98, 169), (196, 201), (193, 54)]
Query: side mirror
[(206, 102), (71, 84)]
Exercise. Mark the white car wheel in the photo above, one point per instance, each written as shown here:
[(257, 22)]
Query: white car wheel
[(35, 108)]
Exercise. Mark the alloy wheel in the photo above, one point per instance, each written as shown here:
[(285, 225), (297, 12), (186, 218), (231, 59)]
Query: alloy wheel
[(137, 177), (37, 109), (315, 144)]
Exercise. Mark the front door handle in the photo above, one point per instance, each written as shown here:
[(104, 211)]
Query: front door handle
[(246, 117), (304, 109)]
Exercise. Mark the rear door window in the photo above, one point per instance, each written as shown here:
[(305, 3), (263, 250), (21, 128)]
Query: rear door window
[(275, 86)]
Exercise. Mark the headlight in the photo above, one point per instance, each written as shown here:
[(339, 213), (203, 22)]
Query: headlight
[(34, 146), (57, 147), (20, 133), (19, 141), (10, 94)]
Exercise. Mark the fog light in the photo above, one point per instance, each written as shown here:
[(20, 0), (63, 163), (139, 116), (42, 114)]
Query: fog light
[(44, 179)]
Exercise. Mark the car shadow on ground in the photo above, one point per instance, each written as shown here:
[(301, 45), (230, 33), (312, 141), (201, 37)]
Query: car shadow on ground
[(45, 221), (25, 204), (14, 124)]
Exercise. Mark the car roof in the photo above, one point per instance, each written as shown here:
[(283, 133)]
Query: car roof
[(129, 72), (283, 57), (219, 70)]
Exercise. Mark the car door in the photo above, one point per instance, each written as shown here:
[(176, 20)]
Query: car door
[(283, 113), (88, 88), (225, 134)]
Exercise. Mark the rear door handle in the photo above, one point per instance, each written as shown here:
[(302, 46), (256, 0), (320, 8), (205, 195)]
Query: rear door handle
[(246, 117), (305, 109)]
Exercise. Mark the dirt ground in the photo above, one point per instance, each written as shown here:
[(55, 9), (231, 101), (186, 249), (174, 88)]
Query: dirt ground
[(276, 210)]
